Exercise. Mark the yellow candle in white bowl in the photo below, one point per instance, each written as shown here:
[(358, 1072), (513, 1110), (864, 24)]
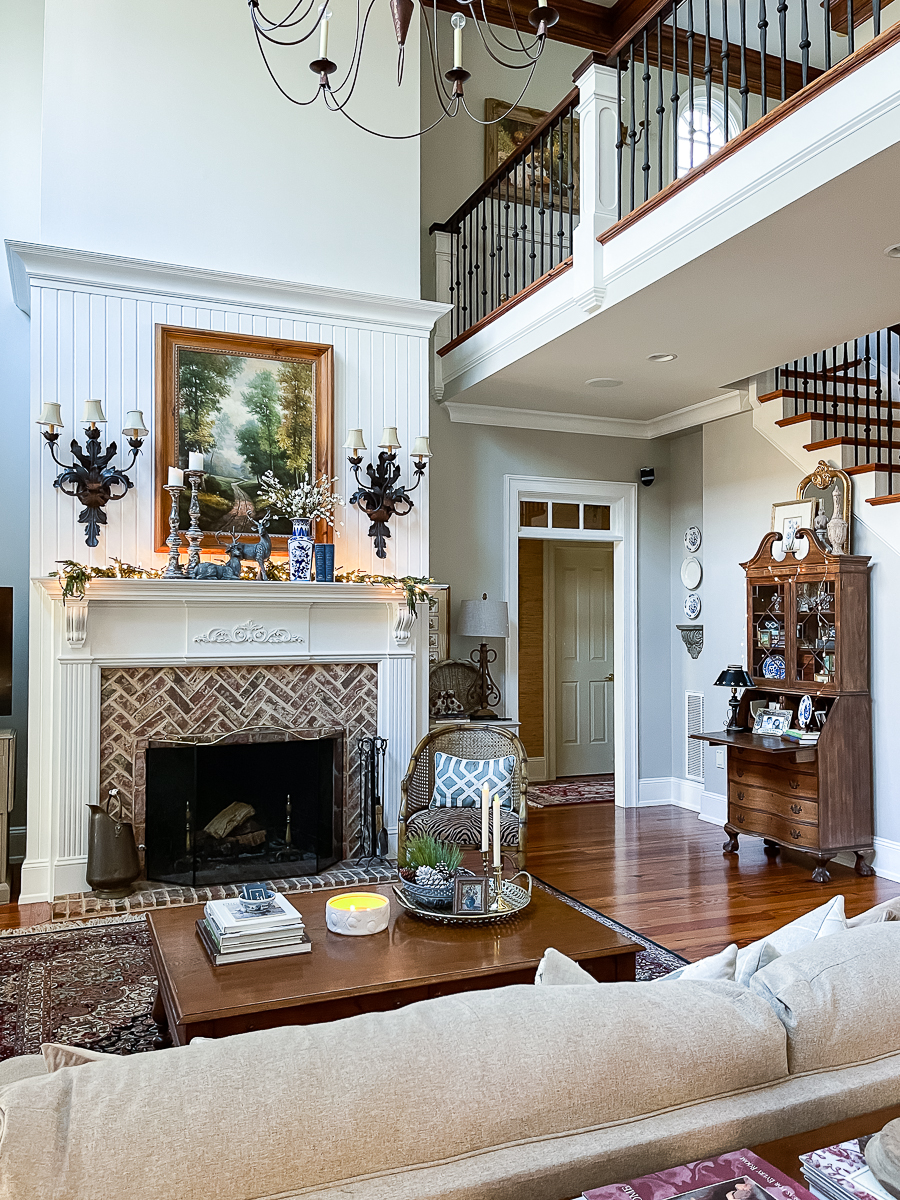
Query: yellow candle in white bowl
[(358, 914)]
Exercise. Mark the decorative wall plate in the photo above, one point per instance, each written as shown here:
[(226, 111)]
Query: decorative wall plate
[(804, 711), (691, 573), (692, 606), (773, 667), (692, 539)]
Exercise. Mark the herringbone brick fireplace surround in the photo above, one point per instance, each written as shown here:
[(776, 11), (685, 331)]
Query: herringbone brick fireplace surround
[(140, 705)]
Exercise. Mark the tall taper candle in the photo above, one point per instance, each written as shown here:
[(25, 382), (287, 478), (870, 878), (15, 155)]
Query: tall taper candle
[(485, 817), (496, 831), (323, 31)]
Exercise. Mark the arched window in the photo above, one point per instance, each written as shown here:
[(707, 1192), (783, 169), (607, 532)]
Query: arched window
[(701, 131)]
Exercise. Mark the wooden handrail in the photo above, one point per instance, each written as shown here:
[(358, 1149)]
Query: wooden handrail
[(507, 167)]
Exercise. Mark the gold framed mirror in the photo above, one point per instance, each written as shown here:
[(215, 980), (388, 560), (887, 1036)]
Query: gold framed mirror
[(829, 488)]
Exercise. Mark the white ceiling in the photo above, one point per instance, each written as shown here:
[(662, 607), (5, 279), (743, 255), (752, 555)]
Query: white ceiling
[(810, 275)]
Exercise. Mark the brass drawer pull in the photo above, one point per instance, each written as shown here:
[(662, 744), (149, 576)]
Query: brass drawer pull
[(796, 834), (796, 809), (795, 783), (739, 771), (740, 795), (740, 819)]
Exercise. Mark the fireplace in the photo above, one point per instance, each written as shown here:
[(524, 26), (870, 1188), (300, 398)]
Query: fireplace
[(262, 804)]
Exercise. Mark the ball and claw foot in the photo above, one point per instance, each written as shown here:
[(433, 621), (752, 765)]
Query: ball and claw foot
[(770, 848), (821, 874), (862, 867), (731, 846)]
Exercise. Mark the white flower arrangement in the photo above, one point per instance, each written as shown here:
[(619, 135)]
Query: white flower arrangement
[(308, 501)]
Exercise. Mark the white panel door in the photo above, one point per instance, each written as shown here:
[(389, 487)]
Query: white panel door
[(583, 670)]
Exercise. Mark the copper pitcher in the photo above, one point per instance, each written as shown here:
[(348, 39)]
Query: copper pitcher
[(113, 863)]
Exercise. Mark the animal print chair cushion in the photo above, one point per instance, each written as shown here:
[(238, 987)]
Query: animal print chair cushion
[(460, 826), (458, 781)]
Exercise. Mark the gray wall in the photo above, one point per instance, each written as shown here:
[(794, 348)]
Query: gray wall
[(467, 537)]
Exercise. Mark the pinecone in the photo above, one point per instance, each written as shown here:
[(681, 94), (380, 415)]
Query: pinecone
[(408, 873), (429, 877), (444, 871)]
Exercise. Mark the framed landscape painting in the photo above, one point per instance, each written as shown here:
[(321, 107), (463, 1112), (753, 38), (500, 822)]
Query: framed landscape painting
[(249, 405), (538, 178)]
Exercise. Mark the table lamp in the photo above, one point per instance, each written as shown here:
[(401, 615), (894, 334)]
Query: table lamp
[(483, 619), (734, 676)]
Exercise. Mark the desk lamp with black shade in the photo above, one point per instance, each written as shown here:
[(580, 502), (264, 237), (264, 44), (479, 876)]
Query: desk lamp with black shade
[(734, 676)]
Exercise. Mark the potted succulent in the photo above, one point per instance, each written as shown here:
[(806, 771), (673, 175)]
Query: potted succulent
[(431, 867), (309, 501)]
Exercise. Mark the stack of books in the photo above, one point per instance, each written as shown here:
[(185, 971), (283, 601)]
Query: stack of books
[(841, 1173), (804, 737), (231, 935), (740, 1175)]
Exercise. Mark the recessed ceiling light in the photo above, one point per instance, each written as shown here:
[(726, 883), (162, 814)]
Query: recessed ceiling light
[(893, 251), (603, 382), (661, 357)]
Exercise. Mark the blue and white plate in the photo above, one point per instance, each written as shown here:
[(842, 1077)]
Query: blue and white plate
[(773, 667), (692, 606), (692, 539), (804, 711)]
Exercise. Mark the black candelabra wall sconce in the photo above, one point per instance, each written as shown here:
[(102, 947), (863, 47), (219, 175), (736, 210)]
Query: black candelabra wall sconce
[(90, 479), (385, 496)]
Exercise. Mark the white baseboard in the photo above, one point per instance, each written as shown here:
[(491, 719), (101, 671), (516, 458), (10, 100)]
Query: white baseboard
[(537, 770), (887, 859), (714, 808), (683, 793)]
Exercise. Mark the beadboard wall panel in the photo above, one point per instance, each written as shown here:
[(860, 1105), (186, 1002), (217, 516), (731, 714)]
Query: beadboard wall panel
[(94, 342)]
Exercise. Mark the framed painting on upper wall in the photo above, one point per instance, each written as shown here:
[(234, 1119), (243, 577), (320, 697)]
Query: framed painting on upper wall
[(545, 174), (249, 405)]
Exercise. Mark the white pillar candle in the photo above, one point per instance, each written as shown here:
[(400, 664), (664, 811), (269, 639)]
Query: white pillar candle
[(195, 461), (323, 32), (485, 816), (496, 831), (176, 477), (457, 21)]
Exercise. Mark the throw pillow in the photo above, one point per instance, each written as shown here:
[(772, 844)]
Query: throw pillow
[(888, 910), (458, 781), (716, 966), (56, 1056), (555, 970), (828, 918)]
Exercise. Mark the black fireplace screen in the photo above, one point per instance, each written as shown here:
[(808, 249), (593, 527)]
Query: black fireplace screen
[(229, 813)]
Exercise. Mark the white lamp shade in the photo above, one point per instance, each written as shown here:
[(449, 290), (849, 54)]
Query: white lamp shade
[(421, 449), (483, 619), (389, 438), (134, 424), (93, 413), (51, 415), (354, 440)]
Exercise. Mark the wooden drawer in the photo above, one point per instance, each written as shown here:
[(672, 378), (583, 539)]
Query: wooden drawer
[(739, 757), (788, 832), (790, 808), (790, 779)]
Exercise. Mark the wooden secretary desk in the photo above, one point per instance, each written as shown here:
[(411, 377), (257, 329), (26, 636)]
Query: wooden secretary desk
[(807, 634)]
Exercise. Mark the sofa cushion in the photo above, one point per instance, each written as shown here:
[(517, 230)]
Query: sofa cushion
[(888, 910), (837, 997), (57, 1055), (564, 1060), (821, 922), (558, 970), (715, 966)]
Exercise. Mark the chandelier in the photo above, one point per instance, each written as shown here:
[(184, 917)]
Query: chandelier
[(308, 18)]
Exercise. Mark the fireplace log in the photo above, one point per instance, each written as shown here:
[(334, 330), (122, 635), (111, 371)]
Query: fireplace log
[(229, 819)]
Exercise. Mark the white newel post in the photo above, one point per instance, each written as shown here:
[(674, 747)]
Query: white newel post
[(441, 334), (598, 124)]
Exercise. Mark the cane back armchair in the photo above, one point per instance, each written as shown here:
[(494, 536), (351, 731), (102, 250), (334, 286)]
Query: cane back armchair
[(462, 826)]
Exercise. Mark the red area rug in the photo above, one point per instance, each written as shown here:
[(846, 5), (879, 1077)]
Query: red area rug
[(542, 795)]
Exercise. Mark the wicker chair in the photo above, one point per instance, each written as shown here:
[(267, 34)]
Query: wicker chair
[(462, 826)]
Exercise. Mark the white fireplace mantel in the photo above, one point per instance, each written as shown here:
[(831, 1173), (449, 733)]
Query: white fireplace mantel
[(127, 622)]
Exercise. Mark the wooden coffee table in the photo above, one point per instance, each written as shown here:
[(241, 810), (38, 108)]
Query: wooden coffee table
[(342, 976), (785, 1153)]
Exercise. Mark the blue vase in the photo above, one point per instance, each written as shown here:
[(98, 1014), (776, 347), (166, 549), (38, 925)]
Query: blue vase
[(300, 551)]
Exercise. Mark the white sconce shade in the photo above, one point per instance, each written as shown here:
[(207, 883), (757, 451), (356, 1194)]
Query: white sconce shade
[(93, 413), (50, 416), (134, 424), (421, 449), (355, 440), (483, 618), (389, 438)]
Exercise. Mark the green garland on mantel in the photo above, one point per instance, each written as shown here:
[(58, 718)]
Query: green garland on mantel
[(76, 578)]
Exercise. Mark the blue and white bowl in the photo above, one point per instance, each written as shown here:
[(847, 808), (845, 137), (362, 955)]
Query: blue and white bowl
[(254, 905)]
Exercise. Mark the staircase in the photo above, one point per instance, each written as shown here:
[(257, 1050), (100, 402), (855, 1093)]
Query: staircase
[(842, 405)]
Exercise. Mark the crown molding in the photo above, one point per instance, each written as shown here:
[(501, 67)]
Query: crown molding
[(57, 266), (625, 427)]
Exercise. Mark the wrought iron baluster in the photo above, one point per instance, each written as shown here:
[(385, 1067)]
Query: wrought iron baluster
[(465, 261), (660, 106), (560, 169), (725, 63), (543, 212), (646, 77), (850, 30), (528, 233), (547, 158), (675, 95), (515, 232), (506, 292), (763, 26), (484, 257), (890, 408), (782, 30), (744, 88), (632, 130), (826, 10), (454, 316), (876, 17), (619, 142), (571, 178), (690, 72), (805, 43), (707, 72)]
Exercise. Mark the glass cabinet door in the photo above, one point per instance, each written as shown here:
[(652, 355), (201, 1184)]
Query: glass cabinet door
[(815, 642), (767, 607)]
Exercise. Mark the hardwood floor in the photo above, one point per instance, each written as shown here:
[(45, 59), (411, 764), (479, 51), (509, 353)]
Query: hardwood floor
[(662, 872)]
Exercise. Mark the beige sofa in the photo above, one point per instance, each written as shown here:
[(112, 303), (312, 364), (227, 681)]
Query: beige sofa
[(521, 1092)]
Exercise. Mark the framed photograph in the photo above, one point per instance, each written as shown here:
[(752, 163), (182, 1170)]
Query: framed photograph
[(539, 174), (470, 895), (789, 517), (249, 405), (439, 623), (773, 721)]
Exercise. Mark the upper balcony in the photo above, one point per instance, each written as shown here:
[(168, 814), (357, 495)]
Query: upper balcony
[(720, 187)]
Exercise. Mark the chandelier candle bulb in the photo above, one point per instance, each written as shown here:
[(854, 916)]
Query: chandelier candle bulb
[(458, 22), (195, 461), (176, 477), (323, 32), (358, 914)]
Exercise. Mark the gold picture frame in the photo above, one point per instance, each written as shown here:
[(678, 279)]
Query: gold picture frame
[(240, 360), (507, 129), (819, 485)]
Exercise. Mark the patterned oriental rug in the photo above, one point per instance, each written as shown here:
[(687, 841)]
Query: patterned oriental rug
[(542, 795), (91, 983)]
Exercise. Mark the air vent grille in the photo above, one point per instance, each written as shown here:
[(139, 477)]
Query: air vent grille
[(694, 724)]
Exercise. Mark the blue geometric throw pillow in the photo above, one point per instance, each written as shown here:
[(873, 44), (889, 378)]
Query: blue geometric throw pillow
[(458, 781)]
